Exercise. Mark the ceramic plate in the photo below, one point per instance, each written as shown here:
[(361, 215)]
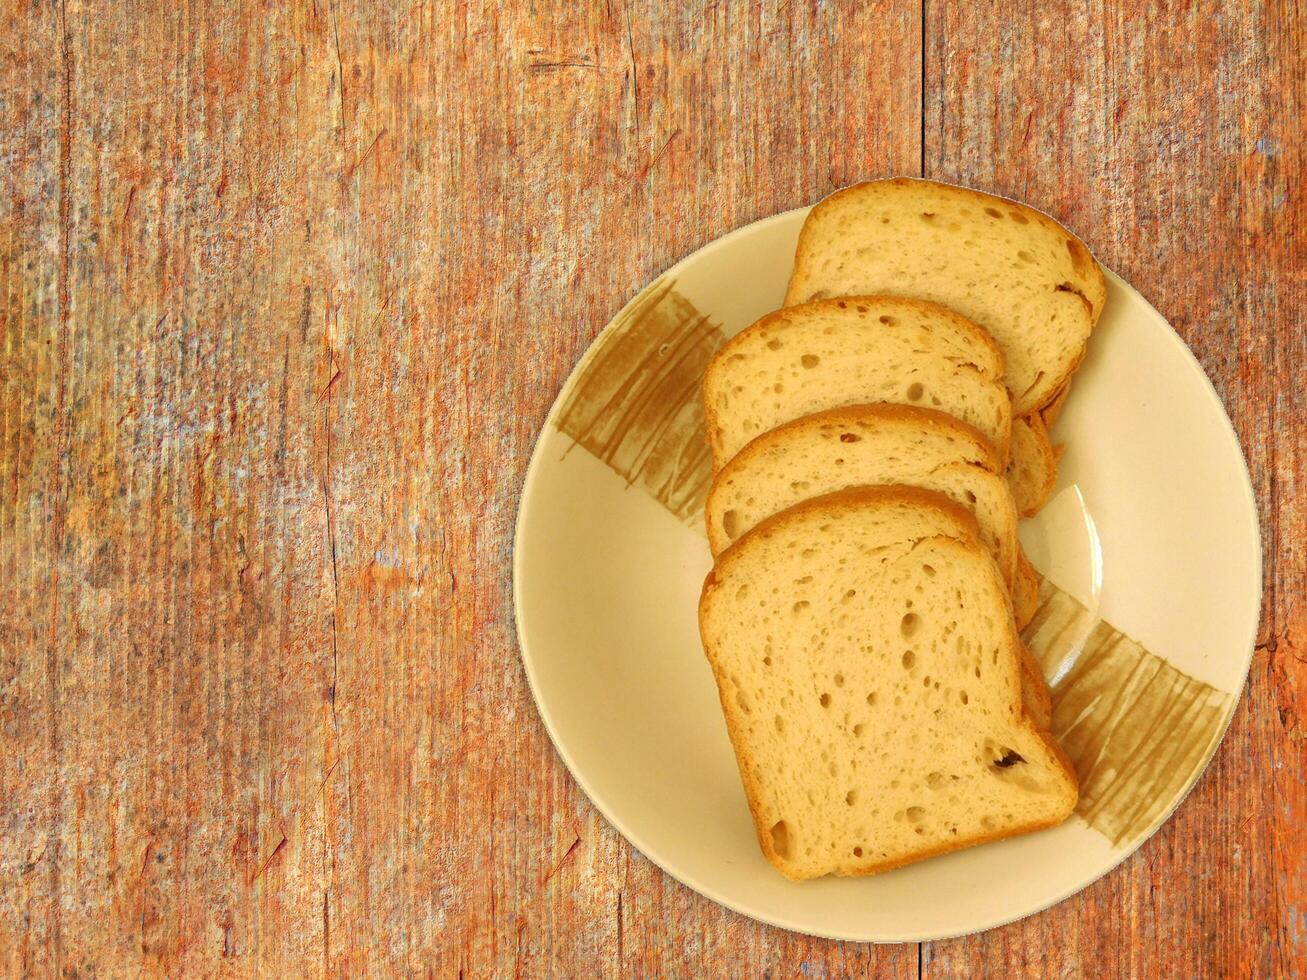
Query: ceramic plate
[(1152, 583)]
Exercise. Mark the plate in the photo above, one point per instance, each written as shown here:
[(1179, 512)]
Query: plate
[(1152, 562)]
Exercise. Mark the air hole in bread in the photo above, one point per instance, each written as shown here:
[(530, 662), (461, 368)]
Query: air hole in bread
[(850, 437), (824, 700), (780, 839), (1018, 217), (915, 391), (862, 309), (731, 523), (871, 699), (1025, 256), (780, 724), (742, 592), (925, 681), (857, 852), (773, 345), (858, 728), (743, 702), (909, 659), (766, 661), (962, 696), (935, 780), (849, 595), (971, 497), (884, 220), (843, 305), (909, 625), (778, 387), (929, 570), (839, 680), (839, 461), (810, 360), (916, 814), (887, 320), (994, 212), (801, 605), (851, 797), (928, 216)]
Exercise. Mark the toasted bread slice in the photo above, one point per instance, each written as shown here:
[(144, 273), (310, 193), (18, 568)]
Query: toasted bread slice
[(1014, 270), (869, 671), (865, 445), (858, 350)]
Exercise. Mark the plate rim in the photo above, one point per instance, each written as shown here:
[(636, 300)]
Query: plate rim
[(530, 483)]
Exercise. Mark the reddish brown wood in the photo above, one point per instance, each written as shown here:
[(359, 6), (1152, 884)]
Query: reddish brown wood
[(287, 291), (1170, 139)]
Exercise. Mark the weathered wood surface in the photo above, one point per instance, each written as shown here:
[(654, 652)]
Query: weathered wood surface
[(286, 292)]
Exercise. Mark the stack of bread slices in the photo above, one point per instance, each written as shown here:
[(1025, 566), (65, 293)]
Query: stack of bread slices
[(875, 443)]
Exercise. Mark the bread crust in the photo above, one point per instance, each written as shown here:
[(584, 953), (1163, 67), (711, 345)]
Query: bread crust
[(1051, 412), (1044, 461), (1094, 292), (972, 329), (969, 541), (909, 415)]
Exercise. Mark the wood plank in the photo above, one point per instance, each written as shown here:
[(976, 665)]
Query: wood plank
[(287, 293), (1171, 141)]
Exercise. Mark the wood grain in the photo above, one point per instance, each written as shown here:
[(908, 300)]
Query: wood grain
[(286, 291)]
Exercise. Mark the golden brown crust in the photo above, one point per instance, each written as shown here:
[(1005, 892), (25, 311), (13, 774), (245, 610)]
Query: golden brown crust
[(1051, 412), (1025, 590), (1044, 458), (971, 328)]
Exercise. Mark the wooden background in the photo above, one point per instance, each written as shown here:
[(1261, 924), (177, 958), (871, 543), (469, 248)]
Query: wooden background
[(286, 291)]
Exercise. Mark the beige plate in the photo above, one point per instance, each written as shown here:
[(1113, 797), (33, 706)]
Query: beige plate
[(607, 580)]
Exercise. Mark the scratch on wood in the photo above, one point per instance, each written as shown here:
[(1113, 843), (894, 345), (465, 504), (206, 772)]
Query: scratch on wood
[(635, 73), (364, 155), (271, 857), (644, 171), (547, 66), (576, 842)]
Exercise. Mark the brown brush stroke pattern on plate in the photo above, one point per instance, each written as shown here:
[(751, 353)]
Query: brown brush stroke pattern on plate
[(1136, 728), (635, 403)]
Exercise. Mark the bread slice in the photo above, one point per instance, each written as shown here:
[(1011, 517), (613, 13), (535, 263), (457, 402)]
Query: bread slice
[(852, 351), (1051, 412), (869, 672), (1032, 469), (865, 445), (1025, 590), (1014, 270)]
